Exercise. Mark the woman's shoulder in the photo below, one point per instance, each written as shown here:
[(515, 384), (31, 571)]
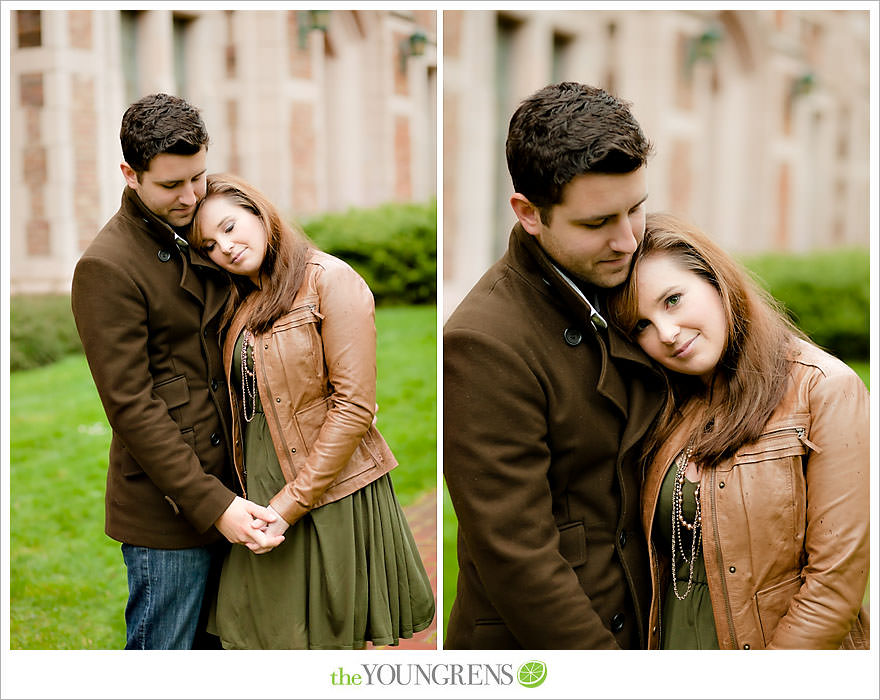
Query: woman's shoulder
[(818, 377), (331, 274), (808, 357), (326, 262)]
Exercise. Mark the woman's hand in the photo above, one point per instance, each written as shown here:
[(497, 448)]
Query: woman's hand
[(244, 522), (278, 526)]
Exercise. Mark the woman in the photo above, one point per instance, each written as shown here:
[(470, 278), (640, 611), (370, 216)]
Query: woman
[(300, 361), (756, 486)]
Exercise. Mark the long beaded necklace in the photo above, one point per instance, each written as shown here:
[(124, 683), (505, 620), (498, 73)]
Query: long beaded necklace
[(679, 522), (248, 379)]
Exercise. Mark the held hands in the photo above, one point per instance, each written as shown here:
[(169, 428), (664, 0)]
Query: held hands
[(244, 522)]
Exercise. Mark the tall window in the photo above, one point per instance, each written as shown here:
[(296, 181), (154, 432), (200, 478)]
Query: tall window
[(128, 42), (505, 57), (181, 32), (561, 52), (30, 31)]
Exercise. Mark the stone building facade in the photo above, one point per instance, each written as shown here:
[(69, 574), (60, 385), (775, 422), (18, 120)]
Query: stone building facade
[(760, 119), (322, 110)]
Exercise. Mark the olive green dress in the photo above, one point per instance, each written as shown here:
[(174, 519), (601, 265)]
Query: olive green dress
[(347, 573), (688, 623)]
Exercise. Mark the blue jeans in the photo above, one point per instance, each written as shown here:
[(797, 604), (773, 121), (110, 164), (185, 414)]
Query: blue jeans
[(165, 591)]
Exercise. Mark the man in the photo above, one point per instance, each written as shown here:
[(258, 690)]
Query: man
[(544, 405), (147, 308)]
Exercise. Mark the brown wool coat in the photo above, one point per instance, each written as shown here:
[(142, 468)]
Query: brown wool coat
[(147, 314), (543, 418)]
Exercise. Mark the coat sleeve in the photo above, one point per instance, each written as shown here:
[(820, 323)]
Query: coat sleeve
[(838, 509), (496, 463), (348, 337), (111, 314)]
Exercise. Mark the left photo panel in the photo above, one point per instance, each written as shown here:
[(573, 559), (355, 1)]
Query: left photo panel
[(222, 329)]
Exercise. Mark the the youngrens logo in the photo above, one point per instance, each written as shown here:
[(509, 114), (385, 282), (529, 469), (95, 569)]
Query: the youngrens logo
[(531, 674)]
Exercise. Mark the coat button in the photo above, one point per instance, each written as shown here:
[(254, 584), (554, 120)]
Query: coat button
[(277, 399), (622, 539), (293, 450), (214, 385), (747, 646), (732, 569), (164, 255), (720, 484), (572, 336), (215, 439), (617, 622)]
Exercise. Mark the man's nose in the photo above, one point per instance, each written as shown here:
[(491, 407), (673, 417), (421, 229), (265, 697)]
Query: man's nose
[(623, 238), (187, 195)]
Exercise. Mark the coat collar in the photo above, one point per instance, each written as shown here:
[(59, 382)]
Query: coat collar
[(213, 296), (531, 259), (638, 400)]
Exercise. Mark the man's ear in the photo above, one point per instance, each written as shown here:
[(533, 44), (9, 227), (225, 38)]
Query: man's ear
[(129, 174), (527, 213)]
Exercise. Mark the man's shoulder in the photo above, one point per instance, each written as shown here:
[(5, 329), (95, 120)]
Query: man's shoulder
[(116, 239), (500, 296)]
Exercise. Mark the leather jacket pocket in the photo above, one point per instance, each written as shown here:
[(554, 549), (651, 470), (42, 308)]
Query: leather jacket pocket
[(299, 341), (770, 476), (309, 421), (773, 602)]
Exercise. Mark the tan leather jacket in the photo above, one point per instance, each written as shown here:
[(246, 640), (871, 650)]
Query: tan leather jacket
[(316, 376), (785, 571)]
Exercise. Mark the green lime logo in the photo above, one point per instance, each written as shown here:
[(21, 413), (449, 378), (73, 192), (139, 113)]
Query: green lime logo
[(532, 673)]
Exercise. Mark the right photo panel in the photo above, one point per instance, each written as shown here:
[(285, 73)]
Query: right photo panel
[(656, 336)]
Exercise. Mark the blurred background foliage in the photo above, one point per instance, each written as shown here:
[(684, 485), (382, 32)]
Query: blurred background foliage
[(393, 247)]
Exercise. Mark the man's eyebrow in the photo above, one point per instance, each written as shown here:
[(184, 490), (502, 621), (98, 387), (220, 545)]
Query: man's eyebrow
[(176, 182), (597, 217)]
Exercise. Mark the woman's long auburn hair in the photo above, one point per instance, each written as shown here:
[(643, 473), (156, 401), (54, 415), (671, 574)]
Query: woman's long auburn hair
[(283, 269), (751, 375)]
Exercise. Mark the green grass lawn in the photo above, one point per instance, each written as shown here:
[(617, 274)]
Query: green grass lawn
[(67, 580), (450, 526)]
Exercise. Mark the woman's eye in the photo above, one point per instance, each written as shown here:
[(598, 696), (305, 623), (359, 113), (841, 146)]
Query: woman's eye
[(641, 325), (673, 299), (229, 227), (208, 247)]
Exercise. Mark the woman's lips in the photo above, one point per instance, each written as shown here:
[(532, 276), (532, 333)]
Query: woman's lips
[(684, 348)]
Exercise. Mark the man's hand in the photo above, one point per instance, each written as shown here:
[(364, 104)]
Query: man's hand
[(243, 522)]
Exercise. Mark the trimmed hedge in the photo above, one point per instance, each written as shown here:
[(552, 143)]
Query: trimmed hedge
[(827, 294), (392, 246), (41, 330)]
